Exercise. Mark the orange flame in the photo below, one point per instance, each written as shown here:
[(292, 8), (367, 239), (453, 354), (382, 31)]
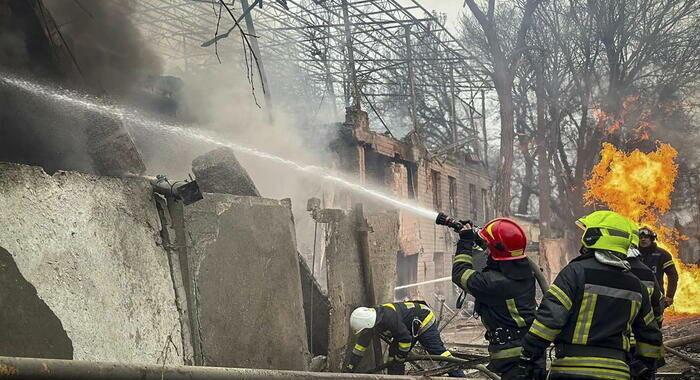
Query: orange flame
[(631, 109), (639, 186)]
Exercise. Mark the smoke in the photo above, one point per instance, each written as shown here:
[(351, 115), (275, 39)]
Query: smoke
[(98, 50), (294, 125), (110, 51)]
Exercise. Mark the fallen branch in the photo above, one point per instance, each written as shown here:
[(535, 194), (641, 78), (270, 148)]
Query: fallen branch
[(463, 364), (682, 341), (692, 361)]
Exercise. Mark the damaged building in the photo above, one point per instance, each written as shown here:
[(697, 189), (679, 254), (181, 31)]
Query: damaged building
[(102, 260), (457, 184)]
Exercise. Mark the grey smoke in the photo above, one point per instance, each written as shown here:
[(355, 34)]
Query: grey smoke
[(110, 53)]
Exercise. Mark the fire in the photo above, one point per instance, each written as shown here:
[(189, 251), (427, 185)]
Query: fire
[(632, 112), (639, 186)]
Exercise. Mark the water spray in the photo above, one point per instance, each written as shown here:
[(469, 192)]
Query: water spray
[(86, 102), (76, 99)]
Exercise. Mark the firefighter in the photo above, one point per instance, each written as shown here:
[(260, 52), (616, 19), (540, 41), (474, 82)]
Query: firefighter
[(402, 324), (660, 261), (591, 309), (645, 275), (504, 292), (648, 279)]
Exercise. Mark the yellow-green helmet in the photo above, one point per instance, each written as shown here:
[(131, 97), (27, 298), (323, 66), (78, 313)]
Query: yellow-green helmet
[(634, 229), (606, 230)]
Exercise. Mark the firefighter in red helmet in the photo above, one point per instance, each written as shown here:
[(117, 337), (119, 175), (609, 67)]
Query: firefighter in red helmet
[(504, 292)]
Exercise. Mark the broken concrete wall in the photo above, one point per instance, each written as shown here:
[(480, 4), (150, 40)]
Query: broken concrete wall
[(245, 270), (316, 311), (346, 286), (220, 172), (384, 248), (91, 249)]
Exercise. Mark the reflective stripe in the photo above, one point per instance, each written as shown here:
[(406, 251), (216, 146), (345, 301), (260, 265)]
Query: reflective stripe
[(585, 318), (359, 350), (507, 353), (596, 373), (446, 353), (614, 232), (561, 296), (390, 305), (404, 346), (428, 321), (462, 259), (514, 312), (465, 277), (543, 331), (649, 350), (613, 292), (650, 288), (668, 264), (649, 317), (649, 285), (626, 341), (592, 361)]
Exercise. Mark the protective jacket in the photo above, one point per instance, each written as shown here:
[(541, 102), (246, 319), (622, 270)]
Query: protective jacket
[(504, 294), (589, 313), (661, 262), (648, 279)]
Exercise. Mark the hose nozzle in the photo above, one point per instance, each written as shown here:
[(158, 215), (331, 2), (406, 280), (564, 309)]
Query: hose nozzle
[(444, 220)]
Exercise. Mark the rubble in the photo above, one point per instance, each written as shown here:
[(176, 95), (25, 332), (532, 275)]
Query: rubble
[(676, 327), (220, 172)]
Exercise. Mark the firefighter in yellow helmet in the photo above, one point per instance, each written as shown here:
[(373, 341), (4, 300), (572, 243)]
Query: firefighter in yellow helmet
[(591, 309)]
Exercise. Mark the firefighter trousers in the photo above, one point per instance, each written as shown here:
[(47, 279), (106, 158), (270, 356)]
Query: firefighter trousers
[(431, 342)]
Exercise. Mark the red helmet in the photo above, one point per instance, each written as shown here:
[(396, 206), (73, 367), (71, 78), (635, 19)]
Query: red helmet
[(505, 238)]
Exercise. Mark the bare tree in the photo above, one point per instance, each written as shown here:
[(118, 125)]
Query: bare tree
[(504, 60)]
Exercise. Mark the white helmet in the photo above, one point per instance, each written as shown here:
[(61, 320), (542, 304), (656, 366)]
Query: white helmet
[(363, 318)]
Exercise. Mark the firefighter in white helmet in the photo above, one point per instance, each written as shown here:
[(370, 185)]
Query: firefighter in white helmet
[(402, 324)]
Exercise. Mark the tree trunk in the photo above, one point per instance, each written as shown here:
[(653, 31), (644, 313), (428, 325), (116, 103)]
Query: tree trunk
[(526, 188), (505, 166), (543, 184)]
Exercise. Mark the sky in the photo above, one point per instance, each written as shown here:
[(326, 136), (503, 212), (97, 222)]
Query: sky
[(451, 7)]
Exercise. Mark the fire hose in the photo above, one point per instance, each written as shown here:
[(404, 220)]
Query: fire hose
[(457, 225)]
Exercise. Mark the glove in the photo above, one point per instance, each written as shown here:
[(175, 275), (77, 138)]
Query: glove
[(467, 233), (638, 370), (401, 356), (349, 368), (352, 364), (526, 370)]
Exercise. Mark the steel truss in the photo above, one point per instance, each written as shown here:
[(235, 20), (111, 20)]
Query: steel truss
[(392, 58)]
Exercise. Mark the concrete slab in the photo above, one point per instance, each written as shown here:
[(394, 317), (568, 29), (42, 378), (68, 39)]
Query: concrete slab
[(220, 172), (111, 147), (91, 248), (346, 287), (248, 287), (316, 311), (383, 250)]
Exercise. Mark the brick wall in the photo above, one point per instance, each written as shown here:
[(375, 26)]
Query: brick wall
[(419, 235)]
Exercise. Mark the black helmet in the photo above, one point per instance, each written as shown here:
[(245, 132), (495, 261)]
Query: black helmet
[(647, 232)]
